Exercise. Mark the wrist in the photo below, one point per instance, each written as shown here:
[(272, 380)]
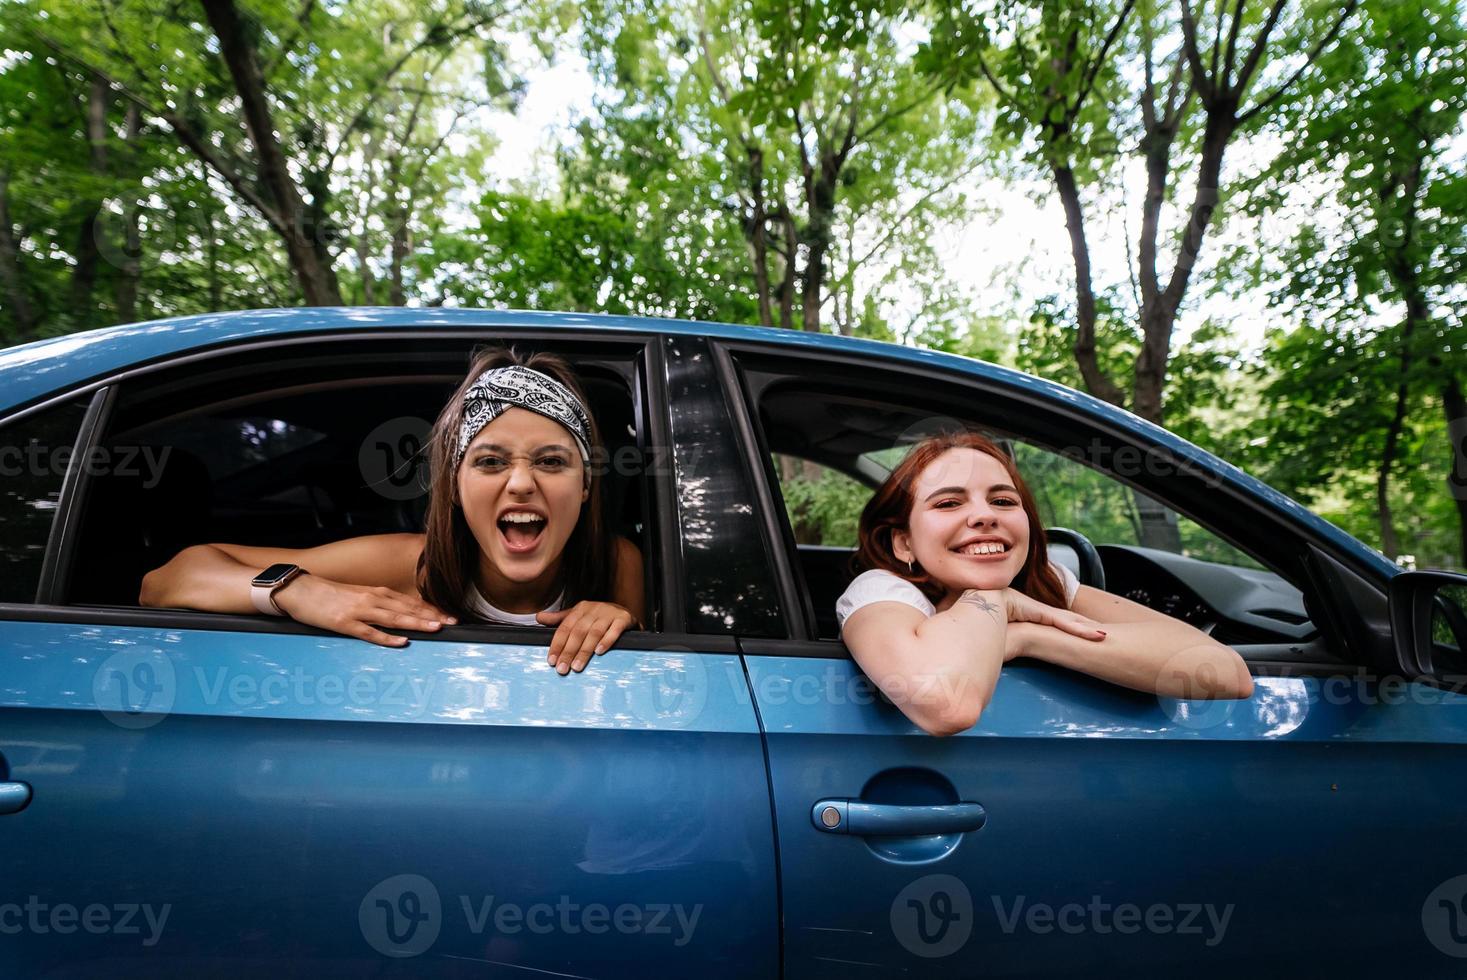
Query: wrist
[(279, 596)]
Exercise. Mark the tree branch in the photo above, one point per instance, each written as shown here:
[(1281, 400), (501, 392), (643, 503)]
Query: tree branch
[(1201, 80), (1092, 68), (1255, 54), (1314, 54)]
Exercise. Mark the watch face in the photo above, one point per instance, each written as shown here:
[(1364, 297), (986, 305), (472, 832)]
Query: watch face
[(274, 573)]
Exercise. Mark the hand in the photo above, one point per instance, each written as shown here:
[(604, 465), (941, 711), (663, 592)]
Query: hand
[(586, 629), (1021, 608), (351, 609)]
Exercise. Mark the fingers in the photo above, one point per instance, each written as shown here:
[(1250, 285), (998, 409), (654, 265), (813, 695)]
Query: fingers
[(1081, 626), (591, 629), (573, 636), (551, 618), (364, 632)]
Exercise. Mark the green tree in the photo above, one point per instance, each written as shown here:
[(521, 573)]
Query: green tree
[(1376, 262)]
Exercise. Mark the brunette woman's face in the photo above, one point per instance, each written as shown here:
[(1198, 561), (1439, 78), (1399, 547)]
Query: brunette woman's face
[(968, 529), (521, 484)]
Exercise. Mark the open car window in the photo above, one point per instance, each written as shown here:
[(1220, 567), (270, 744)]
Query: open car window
[(301, 449), (829, 445)]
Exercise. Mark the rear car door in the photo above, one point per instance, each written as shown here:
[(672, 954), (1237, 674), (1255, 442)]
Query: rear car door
[(1079, 828), (219, 795)]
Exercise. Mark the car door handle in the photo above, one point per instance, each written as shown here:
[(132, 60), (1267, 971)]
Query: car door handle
[(893, 820), (14, 797)]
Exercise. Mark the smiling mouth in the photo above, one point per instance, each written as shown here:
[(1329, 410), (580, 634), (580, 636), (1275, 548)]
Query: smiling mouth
[(521, 532), (989, 550)]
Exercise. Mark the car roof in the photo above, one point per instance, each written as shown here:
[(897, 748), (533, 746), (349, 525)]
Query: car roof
[(33, 371)]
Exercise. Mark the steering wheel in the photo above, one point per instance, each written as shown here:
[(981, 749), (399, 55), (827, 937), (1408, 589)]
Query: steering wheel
[(1092, 572)]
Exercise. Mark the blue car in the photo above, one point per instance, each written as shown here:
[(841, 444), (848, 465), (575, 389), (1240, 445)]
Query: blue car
[(723, 795)]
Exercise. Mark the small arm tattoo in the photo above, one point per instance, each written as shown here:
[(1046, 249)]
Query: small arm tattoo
[(982, 602)]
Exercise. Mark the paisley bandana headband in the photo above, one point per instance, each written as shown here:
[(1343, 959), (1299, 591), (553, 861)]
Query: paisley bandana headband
[(499, 389)]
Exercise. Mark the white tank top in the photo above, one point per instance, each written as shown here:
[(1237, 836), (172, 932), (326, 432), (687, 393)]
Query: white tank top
[(486, 610)]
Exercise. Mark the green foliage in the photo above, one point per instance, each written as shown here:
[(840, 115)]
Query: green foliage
[(824, 508)]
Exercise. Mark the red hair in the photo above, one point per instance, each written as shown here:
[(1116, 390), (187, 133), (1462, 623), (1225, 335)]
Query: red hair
[(890, 509)]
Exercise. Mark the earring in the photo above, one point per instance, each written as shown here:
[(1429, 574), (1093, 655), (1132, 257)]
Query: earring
[(909, 568)]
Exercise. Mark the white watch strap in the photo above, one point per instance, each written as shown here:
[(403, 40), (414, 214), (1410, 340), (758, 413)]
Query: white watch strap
[(260, 596)]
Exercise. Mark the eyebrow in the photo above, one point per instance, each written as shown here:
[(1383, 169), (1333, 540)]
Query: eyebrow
[(496, 448), (964, 490)]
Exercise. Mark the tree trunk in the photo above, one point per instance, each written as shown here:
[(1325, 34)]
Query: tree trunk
[(84, 273), (756, 232), (1390, 543), (12, 280), (401, 245), (132, 250), (307, 259), (1085, 354), (787, 276), (1455, 407), (820, 195)]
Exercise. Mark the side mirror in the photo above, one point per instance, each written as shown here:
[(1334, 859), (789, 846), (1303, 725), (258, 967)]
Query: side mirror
[(1429, 624)]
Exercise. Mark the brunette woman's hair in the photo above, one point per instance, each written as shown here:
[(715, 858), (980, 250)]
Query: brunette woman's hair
[(450, 555), (890, 509)]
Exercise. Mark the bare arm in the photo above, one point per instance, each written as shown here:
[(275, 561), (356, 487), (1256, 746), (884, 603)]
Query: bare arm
[(352, 584), (1143, 649), (940, 670), (629, 587), (216, 577)]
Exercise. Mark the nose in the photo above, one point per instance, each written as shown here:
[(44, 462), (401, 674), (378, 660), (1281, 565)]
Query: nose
[(981, 514), (521, 478)]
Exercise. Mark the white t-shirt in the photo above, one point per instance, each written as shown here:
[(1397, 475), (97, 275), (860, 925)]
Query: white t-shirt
[(879, 585), (491, 613)]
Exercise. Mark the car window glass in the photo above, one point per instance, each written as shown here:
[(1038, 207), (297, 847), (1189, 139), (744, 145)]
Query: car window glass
[(823, 505), (1073, 495), (34, 454)]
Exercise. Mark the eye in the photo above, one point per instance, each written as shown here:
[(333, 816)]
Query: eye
[(943, 503), (552, 462), (1005, 502), (490, 462)]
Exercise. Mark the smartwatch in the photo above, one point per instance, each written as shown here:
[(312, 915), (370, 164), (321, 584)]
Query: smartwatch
[(263, 586)]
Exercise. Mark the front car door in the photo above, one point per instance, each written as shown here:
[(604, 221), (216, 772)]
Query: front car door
[(215, 795), (1079, 828)]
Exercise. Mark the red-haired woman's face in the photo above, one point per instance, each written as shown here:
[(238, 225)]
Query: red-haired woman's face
[(968, 529)]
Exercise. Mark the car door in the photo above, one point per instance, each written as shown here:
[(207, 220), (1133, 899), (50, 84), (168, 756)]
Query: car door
[(190, 794), (1079, 828)]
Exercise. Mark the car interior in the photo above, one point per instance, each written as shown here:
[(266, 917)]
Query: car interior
[(1252, 609), (284, 452)]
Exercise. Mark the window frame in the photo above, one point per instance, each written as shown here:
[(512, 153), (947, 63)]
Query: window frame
[(1293, 552), (634, 356)]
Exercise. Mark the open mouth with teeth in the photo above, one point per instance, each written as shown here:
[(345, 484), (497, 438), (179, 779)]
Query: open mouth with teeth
[(984, 549), (521, 530)]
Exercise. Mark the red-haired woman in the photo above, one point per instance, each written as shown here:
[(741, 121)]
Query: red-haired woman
[(958, 582)]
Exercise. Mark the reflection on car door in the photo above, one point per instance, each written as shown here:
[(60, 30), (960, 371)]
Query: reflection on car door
[(207, 801), (1121, 834)]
